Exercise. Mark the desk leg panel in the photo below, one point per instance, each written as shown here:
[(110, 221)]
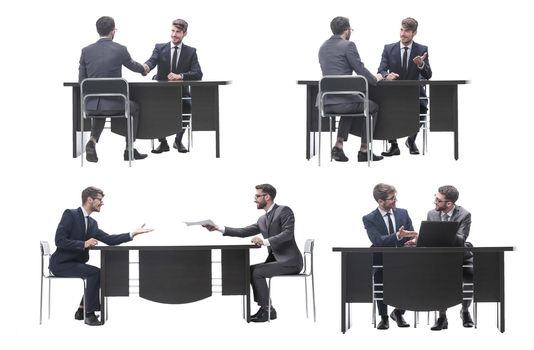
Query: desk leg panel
[(175, 277), (117, 274)]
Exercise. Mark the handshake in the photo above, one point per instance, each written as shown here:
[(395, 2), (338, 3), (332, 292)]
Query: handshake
[(171, 76)]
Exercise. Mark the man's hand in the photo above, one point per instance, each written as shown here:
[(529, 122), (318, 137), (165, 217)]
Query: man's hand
[(419, 60), (174, 77), (392, 76), (147, 68), (211, 227), (91, 242), (257, 241), (140, 230), (404, 233), (411, 243)]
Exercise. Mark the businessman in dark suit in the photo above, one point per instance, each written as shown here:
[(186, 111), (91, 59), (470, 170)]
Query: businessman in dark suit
[(76, 233), (388, 226), (104, 59), (446, 209), (339, 56), (406, 60), (277, 229), (175, 61)]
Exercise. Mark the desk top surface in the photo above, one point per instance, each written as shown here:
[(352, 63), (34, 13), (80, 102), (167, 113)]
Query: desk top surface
[(400, 82), (421, 249), (176, 247), (166, 83)]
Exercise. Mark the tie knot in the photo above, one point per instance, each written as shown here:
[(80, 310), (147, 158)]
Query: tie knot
[(175, 48), (388, 214), (405, 48)]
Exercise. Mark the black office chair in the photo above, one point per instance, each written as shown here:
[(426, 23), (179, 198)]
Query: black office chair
[(107, 87), (306, 272), (345, 85), (47, 275)]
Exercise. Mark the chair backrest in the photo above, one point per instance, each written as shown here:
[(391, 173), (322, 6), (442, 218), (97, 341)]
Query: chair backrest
[(308, 257), (110, 88), (343, 84), (45, 258)]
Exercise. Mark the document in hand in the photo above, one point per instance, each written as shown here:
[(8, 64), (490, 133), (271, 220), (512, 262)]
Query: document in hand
[(202, 222)]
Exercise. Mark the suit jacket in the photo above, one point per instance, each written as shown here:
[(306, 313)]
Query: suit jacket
[(460, 215), (278, 227), (104, 59), (391, 63), (378, 231), (71, 235), (338, 56), (188, 64)]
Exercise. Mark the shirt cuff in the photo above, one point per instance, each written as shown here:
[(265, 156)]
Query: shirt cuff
[(421, 66), (131, 235), (221, 229), (266, 243)]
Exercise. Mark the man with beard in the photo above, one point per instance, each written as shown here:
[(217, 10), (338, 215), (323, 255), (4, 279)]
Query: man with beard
[(284, 258), (388, 226), (339, 56), (406, 60), (447, 210), (76, 233), (175, 61)]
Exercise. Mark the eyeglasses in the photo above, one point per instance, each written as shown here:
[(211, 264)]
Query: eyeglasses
[(256, 196), (101, 199), (394, 198), (437, 200)]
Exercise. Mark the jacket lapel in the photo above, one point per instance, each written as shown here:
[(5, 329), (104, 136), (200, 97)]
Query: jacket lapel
[(380, 220)]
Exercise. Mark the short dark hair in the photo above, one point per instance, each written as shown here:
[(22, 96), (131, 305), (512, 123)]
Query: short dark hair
[(410, 24), (105, 25), (450, 193), (269, 189), (180, 24), (339, 25), (382, 191), (91, 192)]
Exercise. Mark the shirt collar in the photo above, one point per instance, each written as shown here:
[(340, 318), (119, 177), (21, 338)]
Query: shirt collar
[(179, 45), (383, 212), (408, 46), (84, 212)]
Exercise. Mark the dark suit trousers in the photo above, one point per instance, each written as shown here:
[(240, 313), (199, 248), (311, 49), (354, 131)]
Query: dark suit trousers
[(259, 274), (98, 123), (353, 125), (92, 276)]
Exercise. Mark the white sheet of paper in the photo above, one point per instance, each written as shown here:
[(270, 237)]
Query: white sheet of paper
[(202, 222)]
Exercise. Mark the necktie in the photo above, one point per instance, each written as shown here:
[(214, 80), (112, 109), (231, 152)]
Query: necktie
[(390, 224), (405, 59), (445, 217), (86, 224), (174, 59)]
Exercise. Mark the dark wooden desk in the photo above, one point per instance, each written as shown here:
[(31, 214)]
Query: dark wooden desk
[(160, 105), (357, 277), (174, 274), (398, 115)]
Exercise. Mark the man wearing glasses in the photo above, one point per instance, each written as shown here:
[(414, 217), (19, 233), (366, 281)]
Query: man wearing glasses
[(277, 228), (388, 226), (76, 233), (447, 210)]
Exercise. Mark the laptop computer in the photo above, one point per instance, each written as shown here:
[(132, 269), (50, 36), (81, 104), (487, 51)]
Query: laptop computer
[(437, 233)]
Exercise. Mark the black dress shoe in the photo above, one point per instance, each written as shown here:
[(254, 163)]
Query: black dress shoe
[(78, 315), (394, 150), (92, 320), (440, 324), (384, 323), (163, 147), (180, 147), (397, 317), (338, 155), (362, 157), (136, 154), (263, 315), (90, 152), (257, 313), (412, 146), (466, 318)]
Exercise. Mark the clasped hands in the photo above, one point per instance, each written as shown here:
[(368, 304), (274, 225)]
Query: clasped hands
[(407, 234)]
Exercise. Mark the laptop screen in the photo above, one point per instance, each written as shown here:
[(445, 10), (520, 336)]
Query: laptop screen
[(437, 233)]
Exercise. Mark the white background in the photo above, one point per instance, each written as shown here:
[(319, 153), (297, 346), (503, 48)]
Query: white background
[(263, 48)]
